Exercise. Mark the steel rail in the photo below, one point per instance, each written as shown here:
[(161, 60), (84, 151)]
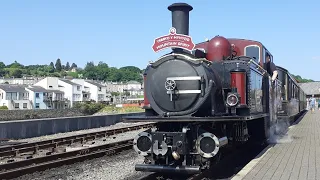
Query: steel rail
[(19, 168), (34, 147)]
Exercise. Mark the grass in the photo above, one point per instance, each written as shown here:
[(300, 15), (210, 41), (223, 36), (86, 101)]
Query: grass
[(113, 109)]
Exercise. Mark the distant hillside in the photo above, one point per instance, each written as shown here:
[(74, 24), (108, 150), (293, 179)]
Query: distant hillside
[(301, 80)]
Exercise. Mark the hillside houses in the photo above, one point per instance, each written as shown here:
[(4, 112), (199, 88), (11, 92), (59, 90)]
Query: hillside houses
[(59, 93)]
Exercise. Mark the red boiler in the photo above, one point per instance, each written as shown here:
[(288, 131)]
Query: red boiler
[(238, 80)]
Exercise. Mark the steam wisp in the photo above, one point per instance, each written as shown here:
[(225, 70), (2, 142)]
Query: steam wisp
[(279, 127)]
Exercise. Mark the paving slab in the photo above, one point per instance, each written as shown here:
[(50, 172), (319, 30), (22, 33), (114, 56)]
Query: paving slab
[(293, 156)]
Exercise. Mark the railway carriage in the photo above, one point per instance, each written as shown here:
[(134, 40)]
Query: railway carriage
[(293, 99), (209, 100)]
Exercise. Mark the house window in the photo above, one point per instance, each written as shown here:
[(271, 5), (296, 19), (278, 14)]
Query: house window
[(99, 88), (16, 105), (37, 95), (50, 86), (37, 105), (254, 52), (78, 88), (25, 105)]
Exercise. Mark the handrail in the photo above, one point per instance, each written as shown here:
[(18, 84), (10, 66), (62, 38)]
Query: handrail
[(264, 71)]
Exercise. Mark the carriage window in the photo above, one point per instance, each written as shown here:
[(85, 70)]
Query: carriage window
[(253, 51)]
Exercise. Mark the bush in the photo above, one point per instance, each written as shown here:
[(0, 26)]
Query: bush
[(89, 108), (3, 108)]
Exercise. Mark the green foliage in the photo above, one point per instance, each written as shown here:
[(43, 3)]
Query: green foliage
[(58, 65), (15, 72), (89, 107), (3, 108), (67, 67), (73, 74), (115, 93), (91, 71), (73, 66), (101, 71), (114, 109), (301, 80), (2, 65)]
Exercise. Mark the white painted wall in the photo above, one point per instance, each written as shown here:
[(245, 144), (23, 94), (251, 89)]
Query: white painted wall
[(11, 104), (93, 91), (68, 91)]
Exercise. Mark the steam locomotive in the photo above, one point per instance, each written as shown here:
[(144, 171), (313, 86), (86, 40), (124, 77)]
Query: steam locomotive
[(210, 99)]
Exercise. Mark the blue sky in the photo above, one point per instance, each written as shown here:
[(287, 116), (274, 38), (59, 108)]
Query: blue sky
[(121, 33)]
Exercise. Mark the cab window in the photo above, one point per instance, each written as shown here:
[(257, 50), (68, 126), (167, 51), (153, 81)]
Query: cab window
[(253, 51)]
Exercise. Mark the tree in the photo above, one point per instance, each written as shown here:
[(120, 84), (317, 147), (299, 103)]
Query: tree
[(2, 65), (51, 64), (58, 65), (67, 66), (90, 71), (300, 79), (102, 71), (50, 68), (17, 73), (131, 68), (15, 64), (73, 65), (114, 74), (3, 72)]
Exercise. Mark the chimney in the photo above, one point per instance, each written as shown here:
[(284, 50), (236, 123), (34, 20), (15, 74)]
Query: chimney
[(180, 17)]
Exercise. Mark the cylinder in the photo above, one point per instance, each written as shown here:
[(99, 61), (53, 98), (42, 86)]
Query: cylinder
[(238, 81), (180, 17)]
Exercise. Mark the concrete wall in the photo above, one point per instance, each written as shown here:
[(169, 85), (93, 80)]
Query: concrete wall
[(40, 127), (6, 115)]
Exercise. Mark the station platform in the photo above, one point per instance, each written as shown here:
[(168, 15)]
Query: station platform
[(293, 156)]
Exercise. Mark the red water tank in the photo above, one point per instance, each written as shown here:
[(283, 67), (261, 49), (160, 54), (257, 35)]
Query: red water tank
[(218, 48), (238, 80)]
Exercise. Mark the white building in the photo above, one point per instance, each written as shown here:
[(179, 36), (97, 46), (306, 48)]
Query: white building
[(72, 91), (98, 91), (134, 88), (22, 81), (30, 97), (115, 86), (14, 97), (86, 94), (46, 99)]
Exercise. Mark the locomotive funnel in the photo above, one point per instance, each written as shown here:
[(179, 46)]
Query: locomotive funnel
[(180, 17)]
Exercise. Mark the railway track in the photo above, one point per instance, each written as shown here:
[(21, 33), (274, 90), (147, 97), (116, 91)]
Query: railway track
[(20, 159), (230, 164)]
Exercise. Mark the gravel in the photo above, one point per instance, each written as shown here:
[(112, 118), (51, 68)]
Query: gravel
[(119, 167), (60, 135)]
